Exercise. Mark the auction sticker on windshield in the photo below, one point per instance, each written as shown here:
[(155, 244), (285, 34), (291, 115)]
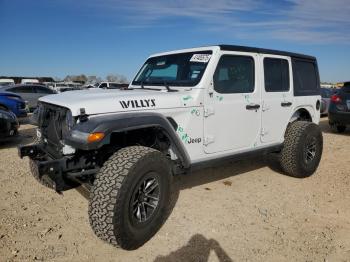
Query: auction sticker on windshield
[(200, 58)]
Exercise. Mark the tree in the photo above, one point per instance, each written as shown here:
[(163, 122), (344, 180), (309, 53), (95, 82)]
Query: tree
[(77, 78), (116, 78)]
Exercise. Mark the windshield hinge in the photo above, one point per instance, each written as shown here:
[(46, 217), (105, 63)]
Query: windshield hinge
[(208, 140), (209, 111)]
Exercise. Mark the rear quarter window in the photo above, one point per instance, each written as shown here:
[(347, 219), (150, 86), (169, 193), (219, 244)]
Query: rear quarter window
[(306, 78)]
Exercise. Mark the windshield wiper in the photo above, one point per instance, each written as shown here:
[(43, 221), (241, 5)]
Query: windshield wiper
[(166, 85), (168, 88), (147, 88)]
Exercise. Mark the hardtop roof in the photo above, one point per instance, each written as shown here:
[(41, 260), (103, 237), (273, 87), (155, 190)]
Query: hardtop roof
[(264, 51), (239, 49)]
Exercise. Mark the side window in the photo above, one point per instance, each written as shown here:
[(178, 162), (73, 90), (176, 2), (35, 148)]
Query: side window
[(305, 75), (43, 90), (21, 89), (234, 74), (276, 72), (103, 85)]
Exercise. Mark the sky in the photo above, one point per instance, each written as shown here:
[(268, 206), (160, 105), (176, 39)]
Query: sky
[(95, 37)]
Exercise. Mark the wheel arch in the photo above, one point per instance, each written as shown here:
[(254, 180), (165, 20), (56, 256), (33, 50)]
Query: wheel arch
[(114, 124), (303, 113)]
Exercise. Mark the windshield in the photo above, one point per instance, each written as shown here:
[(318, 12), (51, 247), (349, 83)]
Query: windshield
[(182, 69)]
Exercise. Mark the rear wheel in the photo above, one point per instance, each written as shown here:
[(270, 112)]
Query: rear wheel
[(130, 196), (302, 150)]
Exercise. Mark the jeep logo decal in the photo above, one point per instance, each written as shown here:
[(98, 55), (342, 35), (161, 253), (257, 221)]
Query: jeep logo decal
[(194, 140), (142, 103)]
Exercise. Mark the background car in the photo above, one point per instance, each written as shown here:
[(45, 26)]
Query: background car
[(30, 93), (65, 86), (109, 85), (29, 81), (339, 109), (14, 103), (326, 94), (8, 124), (6, 82)]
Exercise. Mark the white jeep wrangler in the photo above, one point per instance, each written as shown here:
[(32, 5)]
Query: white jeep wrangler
[(184, 110)]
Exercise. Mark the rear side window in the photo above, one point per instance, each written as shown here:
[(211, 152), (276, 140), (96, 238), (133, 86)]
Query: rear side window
[(305, 76), (234, 74), (276, 72)]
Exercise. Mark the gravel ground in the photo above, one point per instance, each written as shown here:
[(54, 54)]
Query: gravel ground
[(244, 211)]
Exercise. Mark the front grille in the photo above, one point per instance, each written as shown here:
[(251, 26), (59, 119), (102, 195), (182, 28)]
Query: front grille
[(52, 123)]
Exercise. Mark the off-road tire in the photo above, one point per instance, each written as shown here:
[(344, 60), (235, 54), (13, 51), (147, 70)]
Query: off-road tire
[(293, 155), (112, 191), (34, 170)]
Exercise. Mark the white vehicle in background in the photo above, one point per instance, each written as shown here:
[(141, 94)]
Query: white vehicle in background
[(65, 86), (109, 85), (6, 82), (29, 81)]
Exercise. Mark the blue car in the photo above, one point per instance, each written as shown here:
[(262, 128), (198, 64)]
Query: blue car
[(12, 102)]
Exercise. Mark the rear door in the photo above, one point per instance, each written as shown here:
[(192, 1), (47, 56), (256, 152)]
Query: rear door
[(277, 97)]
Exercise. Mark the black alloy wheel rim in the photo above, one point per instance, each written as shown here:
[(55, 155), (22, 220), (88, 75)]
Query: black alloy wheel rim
[(145, 199), (310, 150)]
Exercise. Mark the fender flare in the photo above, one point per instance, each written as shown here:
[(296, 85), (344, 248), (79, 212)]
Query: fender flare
[(297, 110), (113, 123)]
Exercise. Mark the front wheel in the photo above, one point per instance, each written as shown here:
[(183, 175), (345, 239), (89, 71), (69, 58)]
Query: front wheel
[(130, 196), (302, 149)]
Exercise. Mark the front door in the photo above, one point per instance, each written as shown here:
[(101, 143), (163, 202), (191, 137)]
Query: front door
[(277, 97), (233, 106)]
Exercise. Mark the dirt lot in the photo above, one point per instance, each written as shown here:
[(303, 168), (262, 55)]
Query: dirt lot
[(244, 211)]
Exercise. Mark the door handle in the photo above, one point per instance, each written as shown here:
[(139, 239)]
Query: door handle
[(252, 107), (286, 104)]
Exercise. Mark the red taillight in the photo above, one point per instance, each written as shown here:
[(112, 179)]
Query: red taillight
[(335, 99)]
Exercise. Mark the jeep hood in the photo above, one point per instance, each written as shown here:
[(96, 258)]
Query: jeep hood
[(102, 101)]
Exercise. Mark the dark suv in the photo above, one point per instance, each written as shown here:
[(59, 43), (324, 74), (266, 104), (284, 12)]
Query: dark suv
[(339, 109)]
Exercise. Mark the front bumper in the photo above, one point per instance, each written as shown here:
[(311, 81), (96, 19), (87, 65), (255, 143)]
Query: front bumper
[(53, 171)]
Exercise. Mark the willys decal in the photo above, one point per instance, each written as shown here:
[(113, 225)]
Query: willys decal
[(141, 103)]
